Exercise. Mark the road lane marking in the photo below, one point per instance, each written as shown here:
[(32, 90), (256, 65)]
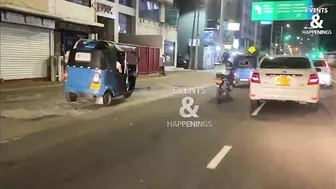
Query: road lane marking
[(255, 113), (217, 159), (5, 141), (333, 80)]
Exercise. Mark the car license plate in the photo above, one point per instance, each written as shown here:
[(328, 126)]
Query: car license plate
[(95, 86), (283, 81), (243, 80)]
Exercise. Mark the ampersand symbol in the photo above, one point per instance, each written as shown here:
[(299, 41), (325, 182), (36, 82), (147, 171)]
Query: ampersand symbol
[(187, 102), (316, 22)]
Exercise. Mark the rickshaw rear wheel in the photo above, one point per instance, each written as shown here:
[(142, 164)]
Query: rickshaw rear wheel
[(71, 97), (107, 98)]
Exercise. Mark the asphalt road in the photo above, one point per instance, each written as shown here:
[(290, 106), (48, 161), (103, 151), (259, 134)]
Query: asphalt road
[(285, 147)]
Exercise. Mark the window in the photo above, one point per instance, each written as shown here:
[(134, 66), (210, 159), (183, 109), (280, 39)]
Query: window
[(125, 23), (171, 15), (149, 9), (81, 2), (127, 3), (320, 63), (284, 62)]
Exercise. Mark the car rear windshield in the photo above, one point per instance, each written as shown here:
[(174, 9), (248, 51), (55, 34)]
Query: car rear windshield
[(286, 62), (319, 63)]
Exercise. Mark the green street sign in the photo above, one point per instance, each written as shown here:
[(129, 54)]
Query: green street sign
[(281, 10)]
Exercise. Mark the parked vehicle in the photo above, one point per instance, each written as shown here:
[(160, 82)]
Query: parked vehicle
[(99, 70), (244, 66)]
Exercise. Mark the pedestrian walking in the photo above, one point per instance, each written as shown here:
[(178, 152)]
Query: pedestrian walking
[(162, 65)]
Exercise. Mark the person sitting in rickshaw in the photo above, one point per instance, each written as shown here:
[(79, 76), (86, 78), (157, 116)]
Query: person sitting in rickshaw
[(120, 62)]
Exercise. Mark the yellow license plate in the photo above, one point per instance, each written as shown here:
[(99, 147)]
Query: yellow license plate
[(95, 86), (283, 81)]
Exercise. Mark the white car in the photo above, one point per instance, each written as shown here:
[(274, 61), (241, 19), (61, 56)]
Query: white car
[(325, 74), (285, 78)]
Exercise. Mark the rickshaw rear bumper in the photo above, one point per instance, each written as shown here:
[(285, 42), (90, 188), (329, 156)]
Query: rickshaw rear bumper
[(85, 92)]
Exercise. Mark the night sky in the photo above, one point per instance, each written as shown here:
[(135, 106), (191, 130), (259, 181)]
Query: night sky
[(327, 42)]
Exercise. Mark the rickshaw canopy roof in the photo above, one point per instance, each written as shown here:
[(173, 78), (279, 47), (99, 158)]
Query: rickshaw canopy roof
[(118, 47)]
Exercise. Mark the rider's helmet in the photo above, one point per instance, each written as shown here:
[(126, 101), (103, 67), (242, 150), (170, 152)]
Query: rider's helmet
[(225, 57)]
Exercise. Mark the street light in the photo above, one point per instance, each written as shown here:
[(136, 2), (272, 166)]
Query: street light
[(287, 25)]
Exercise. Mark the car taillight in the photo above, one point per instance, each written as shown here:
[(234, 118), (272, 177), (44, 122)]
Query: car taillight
[(255, 78), (96, 78), (313, 79)]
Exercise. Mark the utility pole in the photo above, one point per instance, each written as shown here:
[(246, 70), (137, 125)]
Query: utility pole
[(191, 47), (221, 22), (197, 36), (255, 33), (271, 41), (281, 41)]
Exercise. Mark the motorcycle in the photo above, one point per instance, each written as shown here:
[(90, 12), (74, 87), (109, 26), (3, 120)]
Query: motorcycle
[(223, 87)]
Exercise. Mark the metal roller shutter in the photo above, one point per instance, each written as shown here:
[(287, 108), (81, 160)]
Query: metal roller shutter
[(24, 51)]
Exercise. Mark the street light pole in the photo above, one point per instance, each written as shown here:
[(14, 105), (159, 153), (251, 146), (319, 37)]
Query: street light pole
[(271, 40), (197, 37), (221, 22), (191, 47), (255, 33), (281, 40)]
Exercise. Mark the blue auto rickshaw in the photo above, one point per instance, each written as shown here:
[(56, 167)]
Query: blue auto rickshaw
[(92, 71), (244, 66)]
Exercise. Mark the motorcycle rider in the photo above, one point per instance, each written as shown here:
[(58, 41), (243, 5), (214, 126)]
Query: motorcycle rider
[(229, 67)]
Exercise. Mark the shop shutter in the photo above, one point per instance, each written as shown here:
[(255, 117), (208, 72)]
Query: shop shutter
[(24, 51)]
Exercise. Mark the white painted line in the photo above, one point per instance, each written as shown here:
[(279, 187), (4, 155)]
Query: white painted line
[(218, 158), (258, 109), (17, 138), (333, 80), (5, 141)]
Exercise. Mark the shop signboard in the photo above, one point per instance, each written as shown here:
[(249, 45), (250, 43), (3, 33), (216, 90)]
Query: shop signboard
[(105, 9), (281, 10)]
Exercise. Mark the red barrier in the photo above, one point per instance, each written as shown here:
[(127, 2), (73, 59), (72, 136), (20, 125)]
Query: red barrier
[(149, 58), (143, 60), (157, 59)]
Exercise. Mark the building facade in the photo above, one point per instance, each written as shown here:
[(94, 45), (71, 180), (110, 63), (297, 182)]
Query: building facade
[(33, 31), (248, 29), (26, 30)]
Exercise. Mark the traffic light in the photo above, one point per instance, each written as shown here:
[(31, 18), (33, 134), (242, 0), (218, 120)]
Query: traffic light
[(298, 38), (287, 37)]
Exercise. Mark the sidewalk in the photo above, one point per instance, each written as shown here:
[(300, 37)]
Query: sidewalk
[(24, 116), (27, 85)]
